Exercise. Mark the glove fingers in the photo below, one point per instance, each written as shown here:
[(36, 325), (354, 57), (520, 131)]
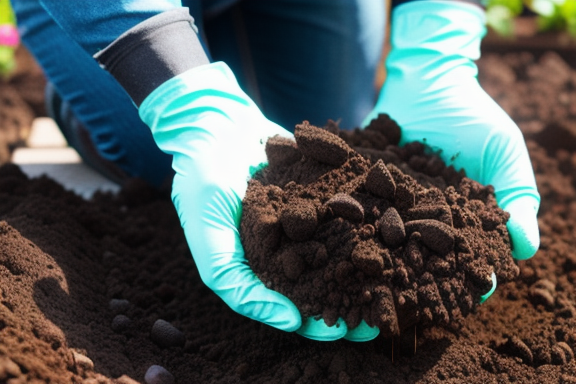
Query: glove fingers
[(523, 226), (318, 330), (242, 291), (363, 332), (252, 299), (211, 227)]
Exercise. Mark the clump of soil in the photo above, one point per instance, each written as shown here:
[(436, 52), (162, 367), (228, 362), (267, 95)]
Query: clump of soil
[(352, 236)]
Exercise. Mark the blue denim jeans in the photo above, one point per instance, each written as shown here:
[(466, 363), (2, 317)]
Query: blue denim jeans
[(298, 59)]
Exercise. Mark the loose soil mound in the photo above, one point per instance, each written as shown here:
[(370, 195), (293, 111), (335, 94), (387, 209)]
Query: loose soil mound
[(343, 235), (84, 283)]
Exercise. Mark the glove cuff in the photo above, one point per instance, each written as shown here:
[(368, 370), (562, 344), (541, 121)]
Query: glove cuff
[(437, 28), (152, 52)]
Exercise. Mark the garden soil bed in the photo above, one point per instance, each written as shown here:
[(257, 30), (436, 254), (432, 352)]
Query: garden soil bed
[(99, 291)]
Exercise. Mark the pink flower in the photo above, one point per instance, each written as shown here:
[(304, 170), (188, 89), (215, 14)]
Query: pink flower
[(9, 35)]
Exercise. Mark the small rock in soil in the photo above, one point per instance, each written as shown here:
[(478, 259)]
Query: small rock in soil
[(517, 347), (120, 323), (379, 181), (343, 205), (166, 335), (392, 228), (119, 306), (320, 145), (157, 374), (82, 363), (299, 220)]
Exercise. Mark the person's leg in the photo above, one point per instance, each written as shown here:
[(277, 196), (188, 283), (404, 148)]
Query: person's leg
[(304, 59), (97, 116)]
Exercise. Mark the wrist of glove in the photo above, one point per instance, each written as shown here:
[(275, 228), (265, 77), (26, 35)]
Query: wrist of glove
[(153, 52), (431, 90)]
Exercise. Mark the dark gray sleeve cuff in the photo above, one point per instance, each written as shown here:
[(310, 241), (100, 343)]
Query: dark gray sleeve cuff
[(481, 3), (152, 52)]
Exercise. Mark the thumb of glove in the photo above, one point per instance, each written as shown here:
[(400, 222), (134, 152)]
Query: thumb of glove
[(523, 226)]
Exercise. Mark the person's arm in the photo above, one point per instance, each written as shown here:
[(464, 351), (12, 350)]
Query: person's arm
[(96, 24), (141, 43)]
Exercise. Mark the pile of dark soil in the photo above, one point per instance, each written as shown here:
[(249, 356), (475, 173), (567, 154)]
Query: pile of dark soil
[(85, 283), (351, 236)]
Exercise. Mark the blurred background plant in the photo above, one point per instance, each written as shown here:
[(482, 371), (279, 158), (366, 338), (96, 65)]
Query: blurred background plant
[(9, 38), (551, 15)]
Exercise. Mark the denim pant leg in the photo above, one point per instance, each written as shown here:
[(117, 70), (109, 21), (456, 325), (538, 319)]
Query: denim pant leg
[(303, 59), (104, 111)]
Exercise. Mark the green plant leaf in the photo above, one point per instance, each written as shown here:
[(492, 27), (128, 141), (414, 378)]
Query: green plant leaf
[(500, 19)]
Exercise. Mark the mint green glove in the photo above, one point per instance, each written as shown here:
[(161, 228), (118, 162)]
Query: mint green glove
[(217, 136), (317, 329), (431, 90)]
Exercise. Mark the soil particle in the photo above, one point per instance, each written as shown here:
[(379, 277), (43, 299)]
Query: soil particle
[(379, 181), (434, 234), (320, 145), (346, 207), (282, 151), (119, 306), (166, 335), (392, 227), (82, 363), (157, 374), (120, 323), (299, 219)]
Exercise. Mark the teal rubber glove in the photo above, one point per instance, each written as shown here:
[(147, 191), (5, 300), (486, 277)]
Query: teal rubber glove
[(432, 91), (317, 329), (217, 137)]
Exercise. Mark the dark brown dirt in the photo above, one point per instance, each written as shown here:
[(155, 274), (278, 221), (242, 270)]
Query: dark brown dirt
[(350, 236), (84, 282)]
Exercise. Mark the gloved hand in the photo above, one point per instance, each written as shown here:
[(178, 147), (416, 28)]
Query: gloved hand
[(217, 136), (431, 90)]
